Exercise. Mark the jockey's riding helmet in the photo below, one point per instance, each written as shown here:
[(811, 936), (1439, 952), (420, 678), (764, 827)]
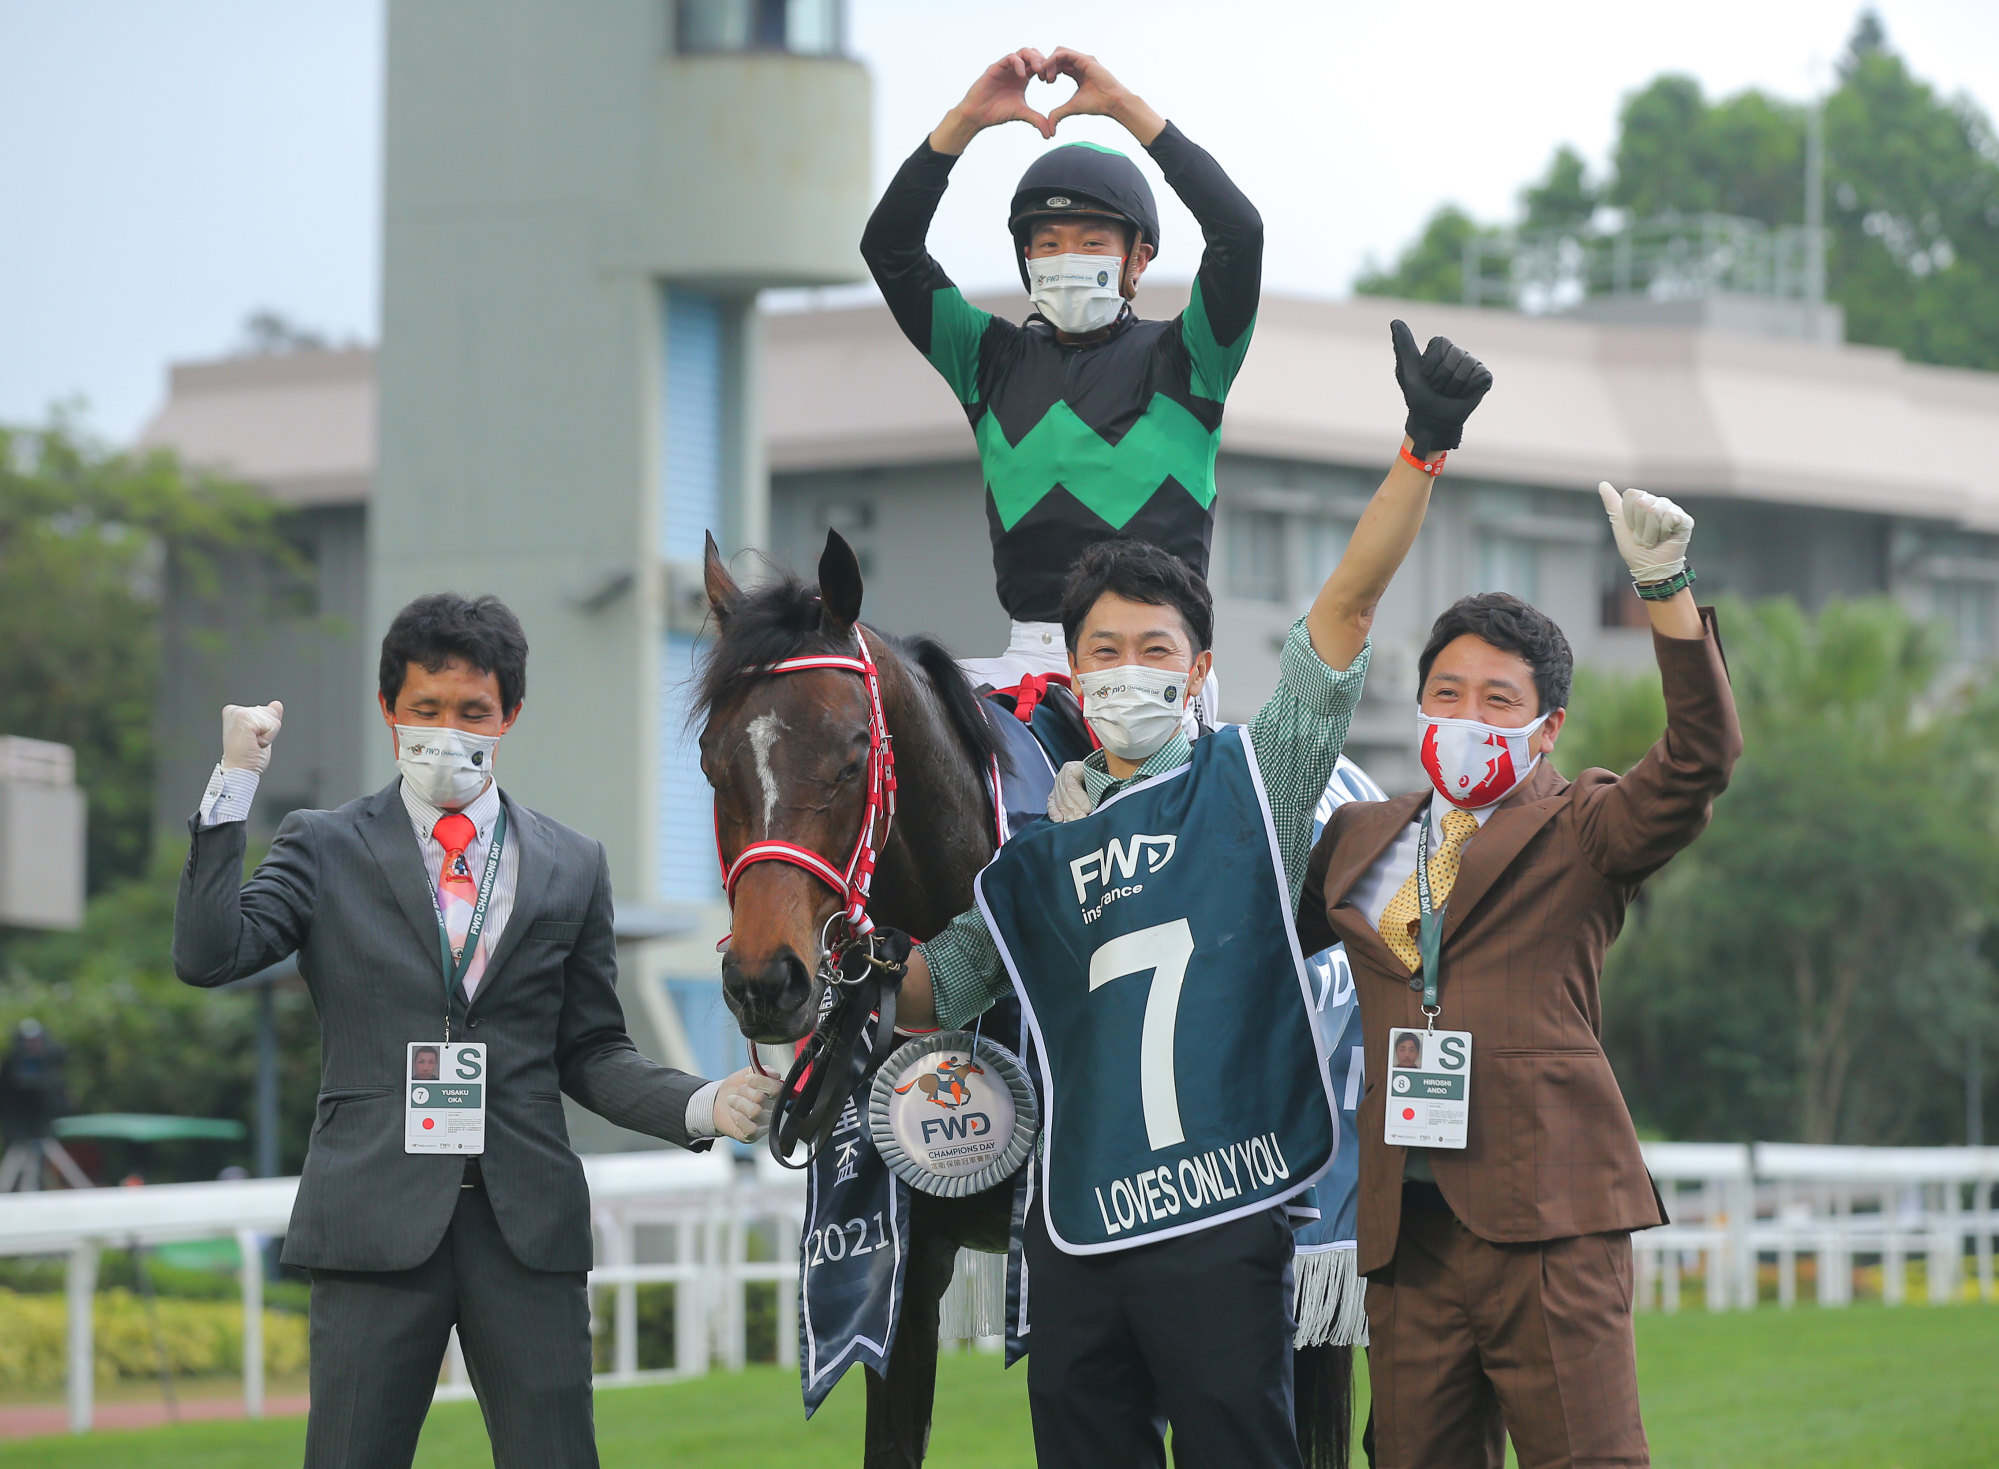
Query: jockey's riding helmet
[(1081, 179)]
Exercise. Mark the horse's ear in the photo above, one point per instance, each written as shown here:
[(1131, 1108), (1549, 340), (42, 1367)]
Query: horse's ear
[(839, 584), (723, 593)]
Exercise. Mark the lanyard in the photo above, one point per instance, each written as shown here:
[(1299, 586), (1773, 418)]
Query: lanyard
[(1430, 932), (454, 968)]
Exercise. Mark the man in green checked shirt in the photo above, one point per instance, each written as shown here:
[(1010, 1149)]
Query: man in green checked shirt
[(1147, 930)]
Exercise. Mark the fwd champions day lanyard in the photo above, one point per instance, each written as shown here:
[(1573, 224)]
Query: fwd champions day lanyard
[(1429, 1102), (445, 1085)]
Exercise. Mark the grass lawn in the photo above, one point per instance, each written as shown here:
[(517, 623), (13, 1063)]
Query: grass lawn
[(1908, 1388)]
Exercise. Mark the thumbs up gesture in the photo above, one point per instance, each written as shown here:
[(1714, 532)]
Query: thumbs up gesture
[(247, 732), (1651, 532)]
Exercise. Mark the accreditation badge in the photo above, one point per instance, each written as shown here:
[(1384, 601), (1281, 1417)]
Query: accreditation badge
[(444, 1097), (953, 1113), (1429, 1088)]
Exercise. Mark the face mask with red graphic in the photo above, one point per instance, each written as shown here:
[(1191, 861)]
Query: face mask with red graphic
[(1472, 764)]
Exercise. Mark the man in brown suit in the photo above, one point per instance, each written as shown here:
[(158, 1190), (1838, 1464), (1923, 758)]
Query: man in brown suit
[(1499, 1272)]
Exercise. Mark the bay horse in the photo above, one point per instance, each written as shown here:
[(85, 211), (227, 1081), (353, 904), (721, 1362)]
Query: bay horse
[(787, 757)]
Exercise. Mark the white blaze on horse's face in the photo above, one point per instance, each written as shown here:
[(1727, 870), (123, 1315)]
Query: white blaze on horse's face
[(763, 733)]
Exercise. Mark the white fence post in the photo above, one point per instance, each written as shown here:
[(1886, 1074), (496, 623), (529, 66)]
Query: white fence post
[(1981, 1220), (250, 1247), (788, 1231), (625, 1318), (1946, 1252), (690, 1322), (81, 1280)]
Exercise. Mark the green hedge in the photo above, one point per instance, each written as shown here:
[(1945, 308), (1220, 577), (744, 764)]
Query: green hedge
[(201, 1338)]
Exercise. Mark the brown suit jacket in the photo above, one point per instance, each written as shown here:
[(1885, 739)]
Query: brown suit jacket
[(1540, 894)]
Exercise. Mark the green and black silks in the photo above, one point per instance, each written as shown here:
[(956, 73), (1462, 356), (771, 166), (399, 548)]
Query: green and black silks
[(1082, 443)]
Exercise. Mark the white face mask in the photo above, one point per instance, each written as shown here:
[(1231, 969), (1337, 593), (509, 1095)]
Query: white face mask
[(1077, 293), (447, 767), (1472, 764), (1134, 710)]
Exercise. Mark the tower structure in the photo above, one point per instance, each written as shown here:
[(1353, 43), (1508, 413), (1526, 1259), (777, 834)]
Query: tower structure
[(581, 204)]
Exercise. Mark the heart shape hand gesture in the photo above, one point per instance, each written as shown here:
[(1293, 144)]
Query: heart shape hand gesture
[(1000, 93), (1000, 96)]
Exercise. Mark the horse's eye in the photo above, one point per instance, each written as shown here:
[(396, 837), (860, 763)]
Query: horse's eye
[(852, 771)]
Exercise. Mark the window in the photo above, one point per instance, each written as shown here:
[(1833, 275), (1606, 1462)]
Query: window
[(1965, 609), (1256, 555), (1323, 543), (800, 27), (1282, 555), (1508, 564)]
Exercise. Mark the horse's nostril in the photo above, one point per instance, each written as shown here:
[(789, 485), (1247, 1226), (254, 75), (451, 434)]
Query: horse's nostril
[(793, 986), (779, 986)]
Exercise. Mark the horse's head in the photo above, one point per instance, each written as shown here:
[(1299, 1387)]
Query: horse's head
[(788, 759)]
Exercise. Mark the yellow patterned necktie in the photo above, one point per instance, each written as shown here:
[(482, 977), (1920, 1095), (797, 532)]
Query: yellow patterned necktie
[(1400, 919)]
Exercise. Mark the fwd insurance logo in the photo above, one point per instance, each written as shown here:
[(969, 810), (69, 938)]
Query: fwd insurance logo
[(1111, 868)]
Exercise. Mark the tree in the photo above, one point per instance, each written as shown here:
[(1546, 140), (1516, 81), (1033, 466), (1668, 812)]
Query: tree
[(85, 534), (1914, 210), (1811, 966), (1678, 154), (141, 1041), (1912, 207), (1565, 199), (1432, 269)]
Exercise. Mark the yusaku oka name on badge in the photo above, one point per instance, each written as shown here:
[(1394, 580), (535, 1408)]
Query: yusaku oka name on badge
[(444, 1097)]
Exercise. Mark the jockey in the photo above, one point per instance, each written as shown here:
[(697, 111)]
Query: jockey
[(1147, 931), (1091, 423)]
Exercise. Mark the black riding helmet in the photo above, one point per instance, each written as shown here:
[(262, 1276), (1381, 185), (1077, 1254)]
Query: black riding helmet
[(1081, 178)]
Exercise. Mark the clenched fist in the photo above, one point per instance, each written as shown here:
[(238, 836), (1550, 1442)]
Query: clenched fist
[(744, 1104), (1652, 532), (247, 732)]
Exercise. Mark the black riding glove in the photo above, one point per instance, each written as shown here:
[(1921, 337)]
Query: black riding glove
[(885, 952), (1441, 385)]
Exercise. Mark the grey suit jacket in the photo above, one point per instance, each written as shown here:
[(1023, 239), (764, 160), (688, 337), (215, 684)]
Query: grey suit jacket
[(348, 892)]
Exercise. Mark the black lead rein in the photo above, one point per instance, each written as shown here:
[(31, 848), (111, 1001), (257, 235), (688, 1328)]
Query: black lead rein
[(843, 1047)]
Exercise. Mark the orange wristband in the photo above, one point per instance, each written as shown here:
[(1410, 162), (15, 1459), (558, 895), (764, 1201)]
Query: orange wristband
[(1431, 467)]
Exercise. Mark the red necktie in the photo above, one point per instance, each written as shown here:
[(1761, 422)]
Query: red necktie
[(457, 893)]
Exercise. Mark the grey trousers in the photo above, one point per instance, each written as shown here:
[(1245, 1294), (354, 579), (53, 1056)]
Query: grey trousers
[(378, 1341)]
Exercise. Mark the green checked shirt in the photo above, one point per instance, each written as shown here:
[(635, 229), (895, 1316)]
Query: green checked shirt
[(1298, 736)]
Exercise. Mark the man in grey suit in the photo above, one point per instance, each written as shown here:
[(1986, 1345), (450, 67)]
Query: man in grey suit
[(409, 926)]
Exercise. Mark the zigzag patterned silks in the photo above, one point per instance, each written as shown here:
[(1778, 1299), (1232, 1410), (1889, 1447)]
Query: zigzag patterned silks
[(1113, 480)]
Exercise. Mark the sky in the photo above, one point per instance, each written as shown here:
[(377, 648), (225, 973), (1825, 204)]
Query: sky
[(170, 168)]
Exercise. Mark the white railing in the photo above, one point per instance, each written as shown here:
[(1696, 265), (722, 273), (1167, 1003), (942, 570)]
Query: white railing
[(1736, 1206), (687, 1219), (704, 1207)]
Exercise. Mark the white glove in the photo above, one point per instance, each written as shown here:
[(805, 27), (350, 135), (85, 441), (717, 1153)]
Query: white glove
[(247, 732), (1652, 532), (744, 1104), (1069, 798)]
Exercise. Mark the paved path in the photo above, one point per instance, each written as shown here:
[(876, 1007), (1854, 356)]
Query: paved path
[(30, 1419)]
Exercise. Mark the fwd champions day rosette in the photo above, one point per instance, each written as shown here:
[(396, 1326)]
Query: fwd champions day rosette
[(953, 1113)]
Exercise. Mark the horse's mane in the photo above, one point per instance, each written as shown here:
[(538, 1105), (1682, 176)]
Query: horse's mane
[(781, 619)]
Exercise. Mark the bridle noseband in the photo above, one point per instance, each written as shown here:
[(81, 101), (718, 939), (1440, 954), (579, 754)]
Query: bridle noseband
[(854, 881), (832, 1060)]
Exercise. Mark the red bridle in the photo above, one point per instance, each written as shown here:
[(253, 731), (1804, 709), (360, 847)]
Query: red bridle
[(852, 883)]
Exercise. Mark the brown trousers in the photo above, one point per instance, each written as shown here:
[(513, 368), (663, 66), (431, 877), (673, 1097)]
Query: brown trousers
[(1469, 1342)]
